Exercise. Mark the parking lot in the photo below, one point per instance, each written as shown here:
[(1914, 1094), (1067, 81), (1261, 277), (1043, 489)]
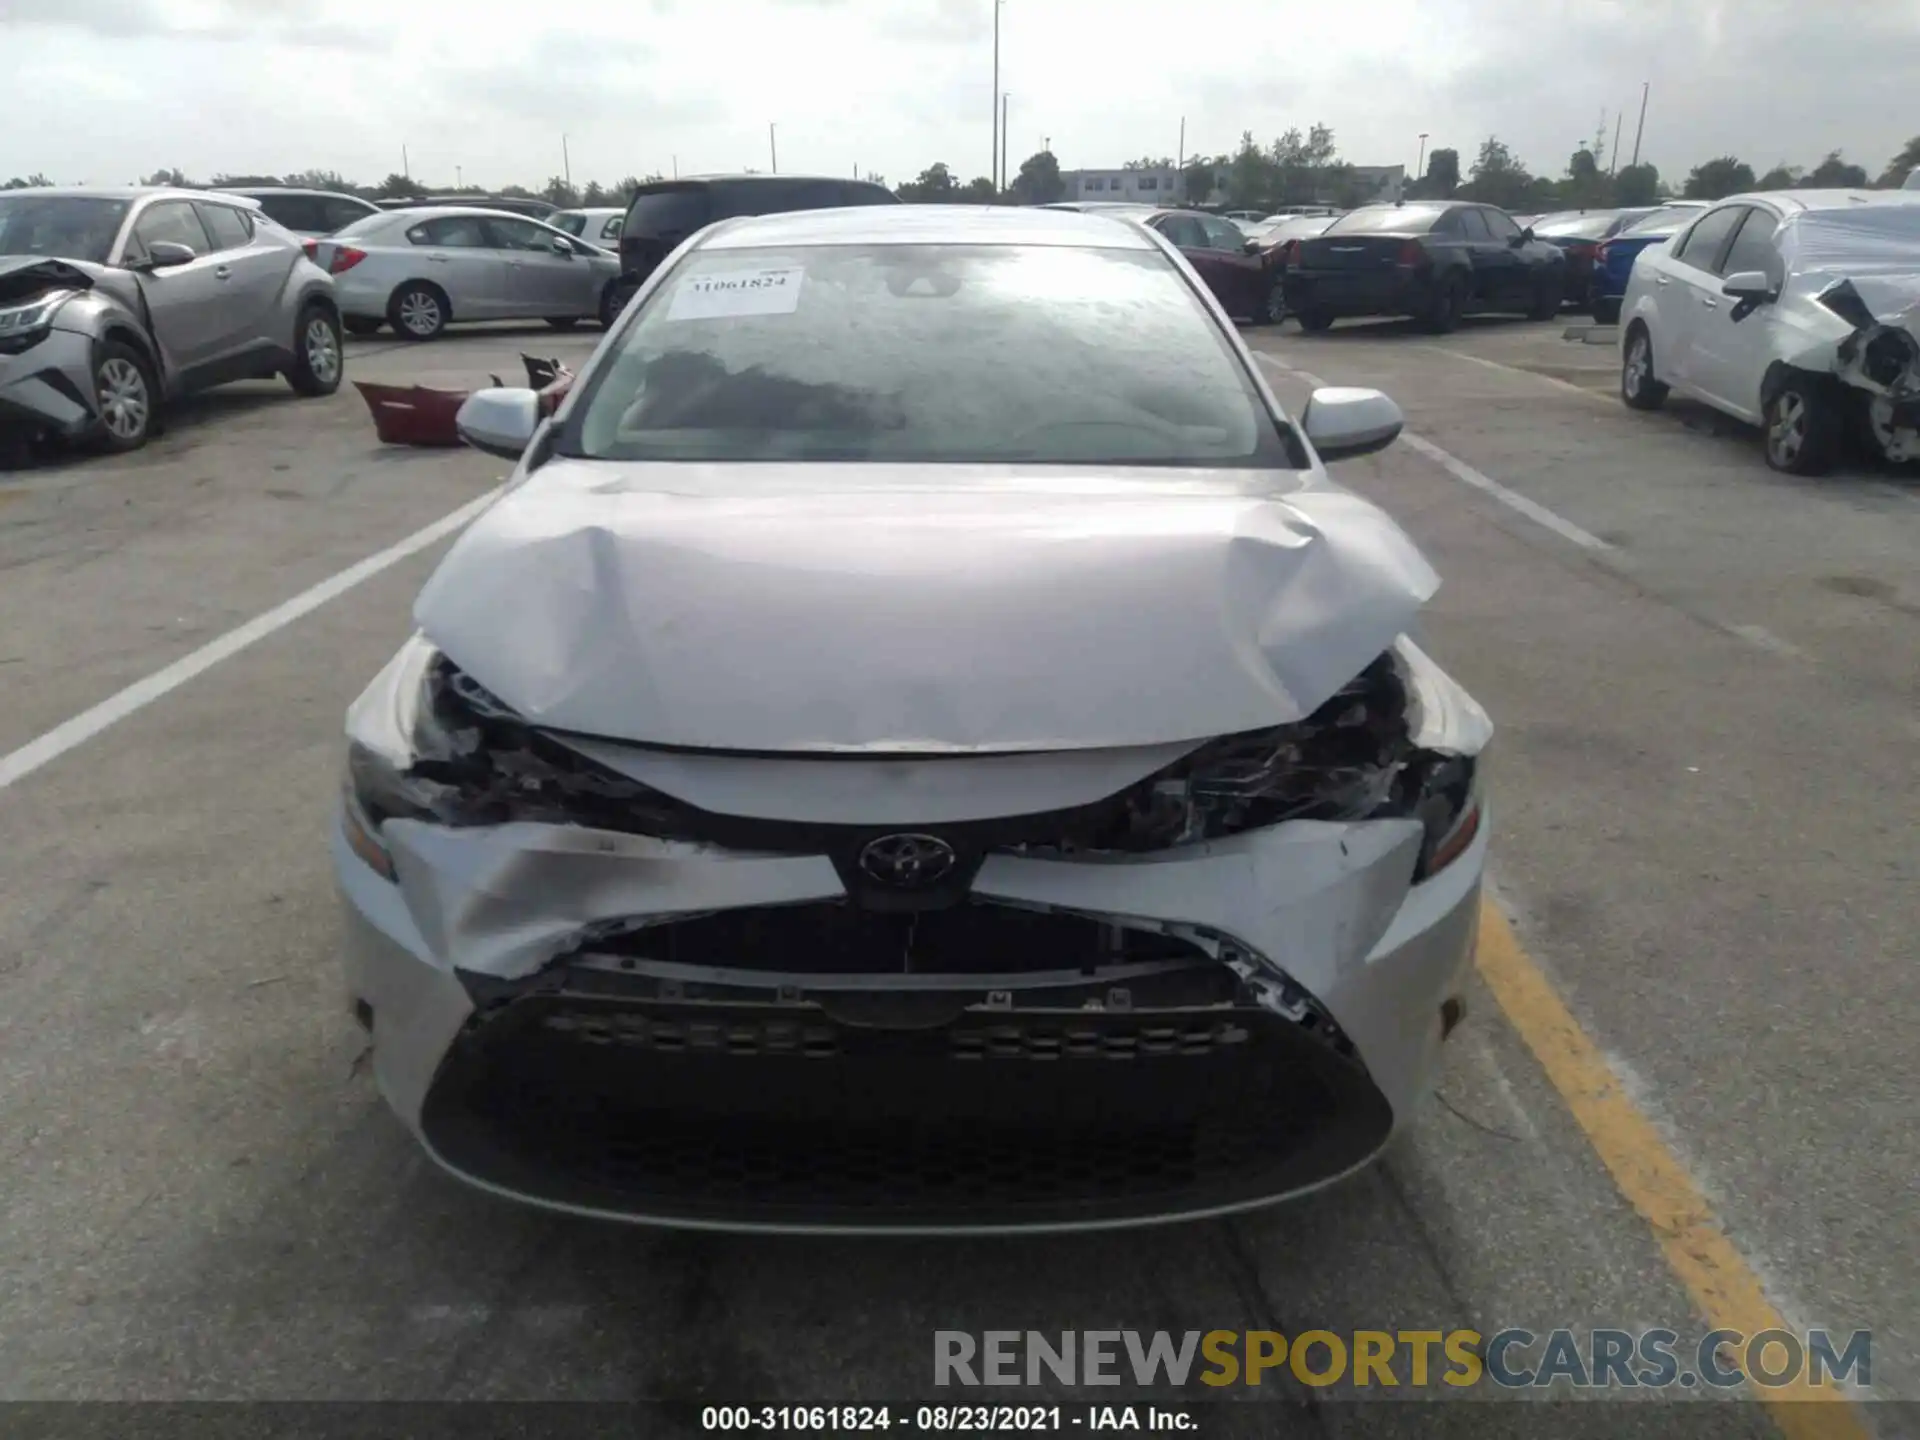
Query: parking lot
[(1705, 676)]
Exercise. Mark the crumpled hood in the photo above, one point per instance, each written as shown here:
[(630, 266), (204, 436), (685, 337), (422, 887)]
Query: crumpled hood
[(763, 608), (23, 277)]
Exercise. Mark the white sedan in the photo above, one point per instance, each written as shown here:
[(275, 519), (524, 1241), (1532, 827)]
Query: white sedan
[(921, 744), (1796, 311)]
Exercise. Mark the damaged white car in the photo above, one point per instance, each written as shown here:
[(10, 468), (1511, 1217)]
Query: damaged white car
[(1795, 311), (921, 745)]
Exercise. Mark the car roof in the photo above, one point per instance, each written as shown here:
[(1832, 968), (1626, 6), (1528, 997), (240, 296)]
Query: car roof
[(926, 225), (415, 214), (747, 178), (286, 190), (1799, 201), (123, 192)]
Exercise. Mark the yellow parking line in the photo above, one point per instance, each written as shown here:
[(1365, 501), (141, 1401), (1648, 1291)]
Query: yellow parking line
[(1651, 1177)]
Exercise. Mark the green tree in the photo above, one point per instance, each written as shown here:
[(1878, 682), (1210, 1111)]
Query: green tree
[(559, 191), (1250, 176), (1637, 185), (1902, 165), (1037, 181), (1781, 177), (977, 191), (1719, 178), (399, 187), (31, 182), (1497, 177), (322, 180), (1149, 162), (1442, 178), (1834, 173), (1587, 185), (220, 180), (176, 178), (595, 194), (936, 186), (1197, 179)]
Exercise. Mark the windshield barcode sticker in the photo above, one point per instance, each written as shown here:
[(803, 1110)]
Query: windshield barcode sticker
[(737, 292)]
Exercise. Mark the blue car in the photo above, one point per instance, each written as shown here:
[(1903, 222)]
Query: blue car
[(1613, 261)]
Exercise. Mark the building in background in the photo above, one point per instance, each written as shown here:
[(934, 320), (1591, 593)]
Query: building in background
[(1376, 183)]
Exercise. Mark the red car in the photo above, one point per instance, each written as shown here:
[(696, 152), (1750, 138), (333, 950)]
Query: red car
[(1246, 275)]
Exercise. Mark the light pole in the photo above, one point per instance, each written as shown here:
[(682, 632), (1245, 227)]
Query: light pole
[(1420, 165), (993, 155), (773, 152), (1641, 129), (1004, 97)]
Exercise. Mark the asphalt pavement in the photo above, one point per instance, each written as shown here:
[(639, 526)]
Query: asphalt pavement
[(1704, 678)]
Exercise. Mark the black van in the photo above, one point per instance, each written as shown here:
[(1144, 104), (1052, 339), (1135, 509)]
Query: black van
[(666, 212)]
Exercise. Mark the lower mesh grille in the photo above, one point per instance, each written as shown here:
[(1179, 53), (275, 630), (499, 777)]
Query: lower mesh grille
[(750, 1116)]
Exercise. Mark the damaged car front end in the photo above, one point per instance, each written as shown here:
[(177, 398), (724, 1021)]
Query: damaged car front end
[(787, 846), (50, 316)]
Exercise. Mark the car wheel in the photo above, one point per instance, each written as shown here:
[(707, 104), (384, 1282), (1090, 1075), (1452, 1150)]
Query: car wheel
[(563, 322), (361, 325), (1606, 312), (124, 391), (1443, 315), (1314, 321), (1803, 428), (418, 311), (1638, 387), (613, 300), (317, 364), (1273, 306), (1547, 296)]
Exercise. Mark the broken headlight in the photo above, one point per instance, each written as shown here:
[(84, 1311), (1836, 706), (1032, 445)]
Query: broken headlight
[(429, 742), (23, 326), (1399, 741)]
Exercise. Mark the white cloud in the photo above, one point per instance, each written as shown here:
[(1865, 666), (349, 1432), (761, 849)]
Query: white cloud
[(121, 87)]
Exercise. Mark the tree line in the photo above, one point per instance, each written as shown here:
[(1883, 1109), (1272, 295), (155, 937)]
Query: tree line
[(1297, 168)]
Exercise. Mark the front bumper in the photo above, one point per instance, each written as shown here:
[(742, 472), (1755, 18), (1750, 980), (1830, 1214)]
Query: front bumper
[(48, 387), (1285, 1024)]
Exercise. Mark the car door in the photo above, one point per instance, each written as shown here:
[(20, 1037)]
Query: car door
[(1494, 263), (184, 301), (256, 269), (1686, 292), (457, 254), (1185, 233), (1245, 273), (1513, 269), (541, 280), (1730, 358)]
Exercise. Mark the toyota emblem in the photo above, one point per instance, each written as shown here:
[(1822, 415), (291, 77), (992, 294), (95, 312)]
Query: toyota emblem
[(907, 862)]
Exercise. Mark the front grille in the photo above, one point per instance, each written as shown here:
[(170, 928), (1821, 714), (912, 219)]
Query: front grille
[(789, 1114)]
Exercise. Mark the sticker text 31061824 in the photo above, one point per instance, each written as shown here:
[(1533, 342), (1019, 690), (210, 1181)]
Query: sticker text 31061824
[(737, 292)]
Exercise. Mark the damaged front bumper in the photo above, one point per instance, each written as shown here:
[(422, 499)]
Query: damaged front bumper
[(46, 386), (674, 1033), (1881, 360)]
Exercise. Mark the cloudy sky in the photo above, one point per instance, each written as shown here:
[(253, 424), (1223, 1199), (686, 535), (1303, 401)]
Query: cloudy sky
[(117, 88)]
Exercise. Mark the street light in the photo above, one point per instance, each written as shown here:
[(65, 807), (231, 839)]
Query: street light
[(993, 157), (773, 153), (1420, 165)]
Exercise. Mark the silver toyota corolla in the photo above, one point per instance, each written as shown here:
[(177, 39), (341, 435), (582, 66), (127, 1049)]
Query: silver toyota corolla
[(921, 744), (115, 302), (423, 270)]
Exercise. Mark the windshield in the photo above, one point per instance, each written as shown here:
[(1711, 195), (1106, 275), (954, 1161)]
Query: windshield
[(571, 221), (1665, 220), (936, 354), (71, 227), (1386, 220)]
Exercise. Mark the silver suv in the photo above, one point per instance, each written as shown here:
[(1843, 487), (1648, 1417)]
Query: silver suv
[(115, 302)]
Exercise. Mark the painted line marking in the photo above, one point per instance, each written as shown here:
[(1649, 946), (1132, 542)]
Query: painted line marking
[(1762, 638), (83, 727), (1650, 1176), (1467, 475), (1567, 385)]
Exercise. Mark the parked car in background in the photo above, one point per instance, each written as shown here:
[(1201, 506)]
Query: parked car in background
[(114, 303), (663, 214), (512, 204), (781, 817), (597, 225), (1243, 273), (1613, 258), (1435, 261), (1796, 310), (305, 212), (1279, 229), (1250, 217), (1579, 234), (421, 270)]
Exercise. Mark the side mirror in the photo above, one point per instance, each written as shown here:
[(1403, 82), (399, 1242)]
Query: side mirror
[(1516, 241), (165, 254), (560, 247), (500, 421), (1252, 247), (1342, 421), (1748, 285)]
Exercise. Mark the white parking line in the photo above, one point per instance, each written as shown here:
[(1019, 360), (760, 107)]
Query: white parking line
[(83, 727), (1467, 475), (1567, 385)]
